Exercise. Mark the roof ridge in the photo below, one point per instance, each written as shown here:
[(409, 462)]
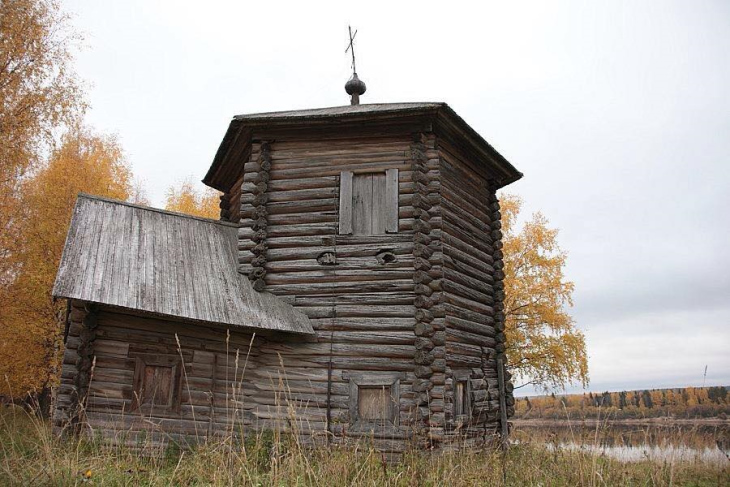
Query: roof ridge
[(361, 108), (158, 210)]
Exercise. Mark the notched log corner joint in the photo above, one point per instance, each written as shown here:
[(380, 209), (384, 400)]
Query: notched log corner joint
[(260, 225)]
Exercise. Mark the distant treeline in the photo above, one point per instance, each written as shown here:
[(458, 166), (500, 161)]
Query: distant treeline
[(688, 402)]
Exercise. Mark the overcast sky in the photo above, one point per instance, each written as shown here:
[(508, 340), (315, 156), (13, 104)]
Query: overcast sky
[(617, 113)]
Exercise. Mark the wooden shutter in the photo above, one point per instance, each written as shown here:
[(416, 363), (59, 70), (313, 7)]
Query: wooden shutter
[(156, 383), (378, 213), (391, 201), (369, 203), (459, 402), (346, 203), (362, 204)]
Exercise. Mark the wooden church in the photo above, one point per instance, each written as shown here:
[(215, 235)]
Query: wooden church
[(352, 288)]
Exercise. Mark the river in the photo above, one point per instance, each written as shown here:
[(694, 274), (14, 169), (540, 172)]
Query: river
[(631, 441)]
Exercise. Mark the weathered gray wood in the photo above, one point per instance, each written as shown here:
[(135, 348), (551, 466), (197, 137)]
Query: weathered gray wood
[(504, 427), (407, 280), (164, 263), (391, 200), (362, 204), (348, 121), (379, 208), (346, 203)]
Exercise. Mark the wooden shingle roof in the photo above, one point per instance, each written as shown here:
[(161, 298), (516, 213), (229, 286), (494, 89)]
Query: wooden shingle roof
[(165, 263)]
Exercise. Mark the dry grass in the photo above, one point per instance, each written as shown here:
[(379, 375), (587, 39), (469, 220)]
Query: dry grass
[(32, 455)]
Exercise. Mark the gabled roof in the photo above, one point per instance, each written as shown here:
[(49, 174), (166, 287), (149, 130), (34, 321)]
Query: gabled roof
[(165, 263), (222, 172)]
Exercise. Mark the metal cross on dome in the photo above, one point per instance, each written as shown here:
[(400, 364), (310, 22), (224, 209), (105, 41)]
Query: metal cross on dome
[(351, 48), (354, 87)]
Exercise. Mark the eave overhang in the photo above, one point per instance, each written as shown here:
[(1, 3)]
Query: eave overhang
[(443, 120)]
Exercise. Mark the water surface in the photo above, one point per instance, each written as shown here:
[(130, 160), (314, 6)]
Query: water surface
[(632, 443)]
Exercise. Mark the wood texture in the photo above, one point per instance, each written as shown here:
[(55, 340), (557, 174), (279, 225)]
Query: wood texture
[(391, 200), (352, 121), (384, 235), (374, 403), (346, 203), (471, 291), (363, 205), (165, 263)]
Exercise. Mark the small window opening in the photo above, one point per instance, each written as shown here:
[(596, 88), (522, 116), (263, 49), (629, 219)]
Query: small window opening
[(461, 398), (369, 203), (374, 403), (156, 384)]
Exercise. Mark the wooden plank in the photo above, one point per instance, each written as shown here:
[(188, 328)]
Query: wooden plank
[(135, 257), (378, 205), (346, 203), (391, 201), (362, 204), (374, 403)]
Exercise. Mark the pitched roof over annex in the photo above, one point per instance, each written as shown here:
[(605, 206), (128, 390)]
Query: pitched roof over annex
[(164, 263), (438, 115)]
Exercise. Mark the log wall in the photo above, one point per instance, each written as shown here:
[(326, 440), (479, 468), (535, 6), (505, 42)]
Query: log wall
[(213, 398), (358, 291), (421, 307), (473, 289), (231, 203)]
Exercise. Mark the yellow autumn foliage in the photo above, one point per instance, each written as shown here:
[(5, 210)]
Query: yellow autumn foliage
[(30, 328), (186, 199), (544, 347), (38, 95)]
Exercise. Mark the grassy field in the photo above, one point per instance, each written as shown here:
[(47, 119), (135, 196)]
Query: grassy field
[(32, 455)]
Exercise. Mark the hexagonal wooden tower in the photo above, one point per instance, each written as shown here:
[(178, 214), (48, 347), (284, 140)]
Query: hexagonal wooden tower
[(381, 223)]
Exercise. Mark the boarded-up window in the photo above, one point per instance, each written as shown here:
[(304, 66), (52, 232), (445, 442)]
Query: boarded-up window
[(374, 403), (461, 400), (462, 396), (369, 203), (157, 383)]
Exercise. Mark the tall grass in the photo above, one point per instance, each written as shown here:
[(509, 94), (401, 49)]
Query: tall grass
[(33, 455)]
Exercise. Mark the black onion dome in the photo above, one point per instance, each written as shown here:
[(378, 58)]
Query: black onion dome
[(355, 85)]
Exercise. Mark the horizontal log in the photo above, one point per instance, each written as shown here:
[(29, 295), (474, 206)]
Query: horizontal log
[(468, 326), (393, 285), (335, 301), (460, 336), (477, 295), (360, 310), (363, 324)]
